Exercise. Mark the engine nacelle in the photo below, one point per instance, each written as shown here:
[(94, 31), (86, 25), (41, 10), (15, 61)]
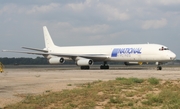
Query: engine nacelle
[(56, 60), (84, 62), (133, 63)]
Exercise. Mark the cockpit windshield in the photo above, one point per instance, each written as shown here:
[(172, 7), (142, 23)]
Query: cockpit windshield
[(163, 48)]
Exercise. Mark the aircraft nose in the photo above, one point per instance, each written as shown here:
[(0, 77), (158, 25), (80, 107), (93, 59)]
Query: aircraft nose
[(172, 56)]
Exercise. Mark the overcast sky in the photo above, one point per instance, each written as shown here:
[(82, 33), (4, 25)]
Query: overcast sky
[(89, 22)]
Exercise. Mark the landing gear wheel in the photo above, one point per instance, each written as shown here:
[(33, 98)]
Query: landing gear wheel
[(159, 68), (84, 67), (104, 66)]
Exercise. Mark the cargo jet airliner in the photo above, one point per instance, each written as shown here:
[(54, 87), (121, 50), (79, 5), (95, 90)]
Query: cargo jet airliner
[(85, 56)]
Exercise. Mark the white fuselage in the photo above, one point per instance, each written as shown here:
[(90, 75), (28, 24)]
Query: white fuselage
[(124, 53)]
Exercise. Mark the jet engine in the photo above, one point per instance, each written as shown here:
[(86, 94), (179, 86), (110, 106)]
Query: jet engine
[(133, 63), (56, 60), (84, 62)]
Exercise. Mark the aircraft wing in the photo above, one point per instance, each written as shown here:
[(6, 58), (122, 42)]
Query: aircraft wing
[(36, 49), (91, 56), (26, 52)]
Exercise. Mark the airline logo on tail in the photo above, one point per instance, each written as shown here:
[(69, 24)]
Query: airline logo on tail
[(122, 51)]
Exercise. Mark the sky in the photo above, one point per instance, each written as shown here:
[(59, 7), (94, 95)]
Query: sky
[(88, 22)]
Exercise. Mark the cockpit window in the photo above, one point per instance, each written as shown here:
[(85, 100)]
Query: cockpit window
[(166, 48), (163, 48)]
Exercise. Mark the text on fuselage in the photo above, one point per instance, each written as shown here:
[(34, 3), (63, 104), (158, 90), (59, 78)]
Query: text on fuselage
[(125, 51)]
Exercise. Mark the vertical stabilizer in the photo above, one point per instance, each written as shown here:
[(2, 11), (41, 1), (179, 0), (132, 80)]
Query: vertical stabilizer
[(48, 40)]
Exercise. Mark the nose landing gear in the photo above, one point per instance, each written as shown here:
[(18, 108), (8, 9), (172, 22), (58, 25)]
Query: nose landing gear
[(159, 67)]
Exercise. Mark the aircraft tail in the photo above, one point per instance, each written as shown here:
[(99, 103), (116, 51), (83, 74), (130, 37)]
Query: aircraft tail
[(48, 40)]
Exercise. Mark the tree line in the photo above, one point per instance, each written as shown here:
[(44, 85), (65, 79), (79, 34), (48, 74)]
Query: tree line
[(24, 61), (37, 61)]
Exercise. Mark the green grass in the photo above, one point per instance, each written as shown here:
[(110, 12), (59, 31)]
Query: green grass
[(131, 93), (153, 81)]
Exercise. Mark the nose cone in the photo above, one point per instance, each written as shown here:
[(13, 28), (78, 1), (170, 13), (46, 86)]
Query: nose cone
[(172, 56)]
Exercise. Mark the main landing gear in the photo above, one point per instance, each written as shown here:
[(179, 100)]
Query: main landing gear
[(84, 67), (159, 67), (104, 66)]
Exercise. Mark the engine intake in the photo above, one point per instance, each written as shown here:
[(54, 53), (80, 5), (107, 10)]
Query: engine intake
[(56, 60)]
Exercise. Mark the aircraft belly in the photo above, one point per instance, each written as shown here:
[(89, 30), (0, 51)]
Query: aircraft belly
[(135, 58), (121, 59)]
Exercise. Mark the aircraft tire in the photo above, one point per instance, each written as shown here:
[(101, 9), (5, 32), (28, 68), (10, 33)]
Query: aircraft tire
[(159, 68), (84, 67), (104, 67)]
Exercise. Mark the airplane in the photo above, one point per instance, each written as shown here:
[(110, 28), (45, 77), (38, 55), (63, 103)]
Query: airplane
[(85, 56)]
